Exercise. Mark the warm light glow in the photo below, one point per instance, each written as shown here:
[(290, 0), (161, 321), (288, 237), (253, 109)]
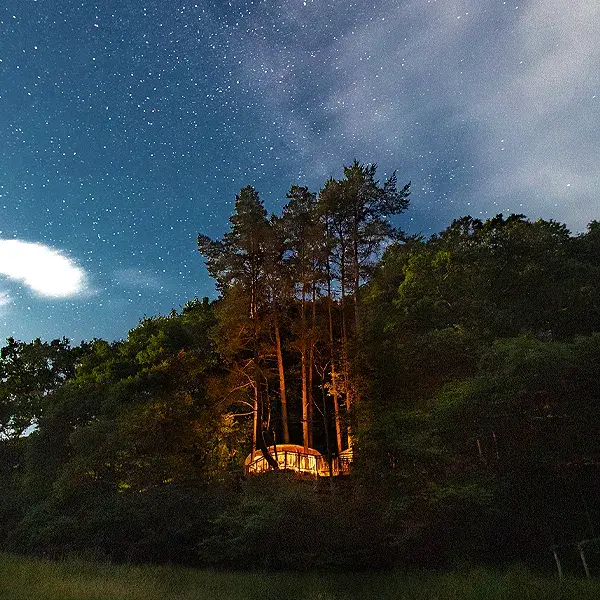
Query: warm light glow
[(291, 457)]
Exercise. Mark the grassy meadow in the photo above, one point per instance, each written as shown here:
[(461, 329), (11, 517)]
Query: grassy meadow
[(33, 579)]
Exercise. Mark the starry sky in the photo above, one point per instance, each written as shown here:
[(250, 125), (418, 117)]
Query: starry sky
[(128, 126)]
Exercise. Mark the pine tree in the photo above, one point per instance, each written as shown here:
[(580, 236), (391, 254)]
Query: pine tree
[(357, 209), (238, 263)]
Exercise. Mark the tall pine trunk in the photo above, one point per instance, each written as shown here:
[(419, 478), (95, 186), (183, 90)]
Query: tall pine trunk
[(311, 361), (255, 426), (259, 441), (282, 392), (303, 354), (333, 359), (356, 306), (345, 356)]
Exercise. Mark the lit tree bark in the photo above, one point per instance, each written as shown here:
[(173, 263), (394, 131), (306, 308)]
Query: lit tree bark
[(282, 391), (303, 357), (311, 361)]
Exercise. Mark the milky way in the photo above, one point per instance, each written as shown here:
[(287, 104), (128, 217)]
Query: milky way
[(126, 127)]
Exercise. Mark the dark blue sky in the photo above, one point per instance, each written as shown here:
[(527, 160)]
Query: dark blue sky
[(126, 127)]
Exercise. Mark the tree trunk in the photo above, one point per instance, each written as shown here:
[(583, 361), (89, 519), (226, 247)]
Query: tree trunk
[(311, 361), (334, 376), (356, 279), (305, 427), (282, 393), (259, 440), (305, 423), (254, 426), (345, 357), (356, 282)]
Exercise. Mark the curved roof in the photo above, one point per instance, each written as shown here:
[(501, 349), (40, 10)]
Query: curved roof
[(282, 448)]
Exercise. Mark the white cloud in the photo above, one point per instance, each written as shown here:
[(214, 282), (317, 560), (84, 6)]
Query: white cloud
[(46, 271)]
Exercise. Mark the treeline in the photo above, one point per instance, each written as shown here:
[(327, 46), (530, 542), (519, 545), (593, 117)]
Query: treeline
[(482, 417), (463, 371)]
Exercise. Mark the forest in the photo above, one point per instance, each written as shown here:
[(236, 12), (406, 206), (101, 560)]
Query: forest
[(455, 378)]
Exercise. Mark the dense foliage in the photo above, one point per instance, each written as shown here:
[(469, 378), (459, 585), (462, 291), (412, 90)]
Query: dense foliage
[(462, 370)]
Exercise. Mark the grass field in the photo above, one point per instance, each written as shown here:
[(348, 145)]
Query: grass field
[(30, 579)]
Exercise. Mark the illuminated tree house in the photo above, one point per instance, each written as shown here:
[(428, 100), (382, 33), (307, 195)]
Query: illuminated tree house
[(305, 462)]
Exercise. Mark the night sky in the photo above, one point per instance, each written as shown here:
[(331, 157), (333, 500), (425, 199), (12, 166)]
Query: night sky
[(128, 126)]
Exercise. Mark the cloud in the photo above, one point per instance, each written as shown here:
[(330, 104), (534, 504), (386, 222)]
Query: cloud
[(44, 270), (138, 279), (512, 91), (500, 102), (5, 302), (539, 113)]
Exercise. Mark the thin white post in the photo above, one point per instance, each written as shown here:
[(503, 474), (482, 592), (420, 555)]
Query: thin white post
[(557, 560), (585, 565)]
